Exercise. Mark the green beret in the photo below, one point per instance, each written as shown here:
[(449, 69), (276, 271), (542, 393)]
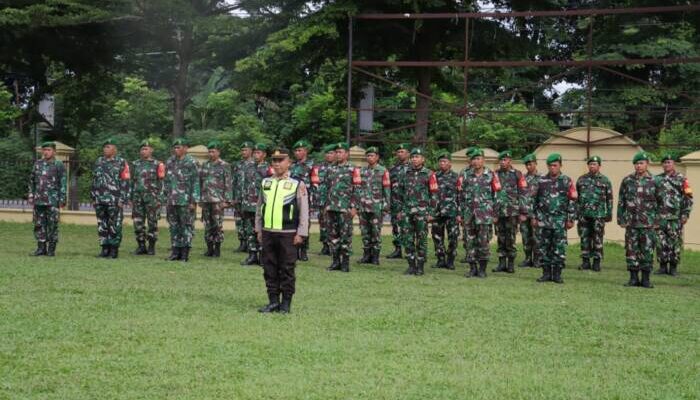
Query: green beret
[(505, 154), (470, 150), (444, 154), (260, 146), (280, 152), (371, 149), (342, 146), (49, 144), (641, 156), (554, 157), (180, 142), (530, 158), (403, 146), (596, 159), (302, 143), (146, 143), (247, 145), (417, 151), (329, 148), (109, 141), (476, 152), (668, 156), (214, 145)]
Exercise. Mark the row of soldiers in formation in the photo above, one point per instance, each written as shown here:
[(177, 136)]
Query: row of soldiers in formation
[(652, 209)]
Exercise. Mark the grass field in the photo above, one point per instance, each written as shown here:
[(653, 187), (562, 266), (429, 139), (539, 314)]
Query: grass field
[(78, 327)]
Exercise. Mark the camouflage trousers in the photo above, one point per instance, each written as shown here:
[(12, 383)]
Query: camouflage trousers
[(530, 236), (239, 225), (340, 232), (670, 241), (248, 230), (145, 212), (591, 231), (371, 229), (552, 249), (477, 238), (323, 225), (415, 236), (445, 225), (181, 221), (396, 230), (109, 224), (640, 244), (213, 219), (506, 229), (45, 219)]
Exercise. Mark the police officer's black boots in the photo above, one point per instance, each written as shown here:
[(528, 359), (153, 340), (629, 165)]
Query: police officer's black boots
[(501, 265), (40, 249), (450, 263), (510, 267), (596, 265), (673, 268), (252, 259), (473, 271), (51, 251), (663, 270), (113, 251), (396, 253), (646, 282), (151, 247), (482, 268), (286, 306), (374, 256), (585, 264), (105, 251), (273, 305), (546, 274), (325, 251), (366, 257), (411, 266), (303, 254), (210, 250), (345, 263), (141, 249), (217, 250), (556, 274), (634, 279)]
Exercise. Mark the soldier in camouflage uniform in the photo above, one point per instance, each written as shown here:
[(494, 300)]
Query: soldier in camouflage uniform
[(182, 193), (595, 200), (319, 193), (216, 187), (237, 179), (47, 195), (463, 172), (478, 189), (446, 213), (147, 176), (402, 165), (374, 197), (110, 193), (341, 207), (417, 196), (513, 208), (252, 177), (555, 212), (675, 210), (529, 232), (301, 170)]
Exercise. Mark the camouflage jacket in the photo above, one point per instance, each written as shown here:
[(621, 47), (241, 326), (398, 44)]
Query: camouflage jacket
[(417, 192), (595, 196), (47, 183), (181, 186), (215, 182), (237, 177), (639, 201), (253, 174), (447, 194), (343, 182), (513, 197), (533, 181), (301, 170), (677, 197), (395, 173), (319, 183), (555, 201), (375, 190), (477, 196), (147, 179), (111, 181)]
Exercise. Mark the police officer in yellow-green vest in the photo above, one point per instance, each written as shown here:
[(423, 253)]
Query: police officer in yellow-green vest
[(281, 224)]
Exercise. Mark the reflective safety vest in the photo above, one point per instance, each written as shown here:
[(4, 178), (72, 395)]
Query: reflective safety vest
[(279, 204)]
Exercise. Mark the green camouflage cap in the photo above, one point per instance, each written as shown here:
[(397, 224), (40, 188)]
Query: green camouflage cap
[(214, 145), (260, 146), (146, 143), (529, 158), (668, 156), (343, 146), (403, 146), (641, 156), (417, 151), (247, 145), (180, 142), (444, 154), (302, 143), (476, 152), (109, 141), (554, 157), (505, 154), (49, 144), (371, 149), (596, 159)]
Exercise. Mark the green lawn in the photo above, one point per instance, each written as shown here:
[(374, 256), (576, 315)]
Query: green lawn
[(77, 327)]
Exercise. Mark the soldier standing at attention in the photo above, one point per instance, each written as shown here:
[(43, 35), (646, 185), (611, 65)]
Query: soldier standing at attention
[(110, 193), (373, 195), (638, 212), (477, 189), (341, 207), (529, 232), (319, 193), (675, 210), (301, 170), (182, 193), (216, 187), (47, 195), (146, 191), (595, 200), (555, 213), (253, 175), (445, 220), (237, 181), (513, 208), (400, 168), (417, 197)]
